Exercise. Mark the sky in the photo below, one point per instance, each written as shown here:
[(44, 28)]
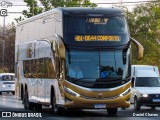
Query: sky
[(19, 5)]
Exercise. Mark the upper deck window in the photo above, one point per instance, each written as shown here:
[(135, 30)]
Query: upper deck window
[(96, 25), (96, 30)]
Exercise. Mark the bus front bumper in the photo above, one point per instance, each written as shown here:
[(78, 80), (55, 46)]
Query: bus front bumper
[(80, 102)]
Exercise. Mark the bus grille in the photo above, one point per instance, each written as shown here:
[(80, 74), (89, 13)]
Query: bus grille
[(8, 82)]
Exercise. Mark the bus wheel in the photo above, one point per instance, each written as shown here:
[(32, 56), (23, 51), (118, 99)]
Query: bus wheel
[(13, 92), (58, 110), (55, 107), (112, 111), (136, 104), (27, 105), (38, 107), (153, 107)]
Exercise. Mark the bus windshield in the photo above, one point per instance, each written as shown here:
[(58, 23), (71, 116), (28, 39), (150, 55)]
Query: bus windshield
[(7, 78), (81, 29), (88, 67), (147, 82)]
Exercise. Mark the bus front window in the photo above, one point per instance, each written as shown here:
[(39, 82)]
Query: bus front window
[(104, 30), (88, 68)]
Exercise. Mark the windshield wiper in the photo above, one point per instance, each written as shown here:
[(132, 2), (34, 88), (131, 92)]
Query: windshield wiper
[(141, 85), (108, 79), (80, 79)]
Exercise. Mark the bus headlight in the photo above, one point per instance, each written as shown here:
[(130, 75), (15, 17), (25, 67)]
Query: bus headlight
[(3, 86), (144, 95), (125, 92), (71, 92)]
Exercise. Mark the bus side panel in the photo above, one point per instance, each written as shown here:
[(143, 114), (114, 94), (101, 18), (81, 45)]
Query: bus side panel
[(33, 30), (59, 24), (24, 33)]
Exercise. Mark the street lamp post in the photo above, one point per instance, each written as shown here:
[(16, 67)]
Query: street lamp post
[(3, 42)]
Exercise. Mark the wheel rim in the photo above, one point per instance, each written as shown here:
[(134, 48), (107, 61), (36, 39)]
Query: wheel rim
[(55, 108)]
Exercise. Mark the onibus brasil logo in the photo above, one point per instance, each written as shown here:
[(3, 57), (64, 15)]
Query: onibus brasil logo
[(4, 4)]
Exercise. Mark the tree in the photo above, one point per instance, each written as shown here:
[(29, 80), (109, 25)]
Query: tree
[(9, 38), (144, 24), (18, 19), (34, 9)]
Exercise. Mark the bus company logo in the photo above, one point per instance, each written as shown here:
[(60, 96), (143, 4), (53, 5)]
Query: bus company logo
[(6, 114), (100, 95), (3, 12), (5, 4)]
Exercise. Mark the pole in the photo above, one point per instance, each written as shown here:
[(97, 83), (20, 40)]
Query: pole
[(3, 43)]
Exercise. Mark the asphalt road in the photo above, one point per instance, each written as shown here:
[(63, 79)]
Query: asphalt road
[(11, 106)]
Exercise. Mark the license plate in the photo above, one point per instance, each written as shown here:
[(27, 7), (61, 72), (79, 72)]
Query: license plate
[(100, 105), (156, 100)]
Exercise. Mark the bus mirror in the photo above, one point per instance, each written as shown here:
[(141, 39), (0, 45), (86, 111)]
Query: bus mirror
[(140, 49)]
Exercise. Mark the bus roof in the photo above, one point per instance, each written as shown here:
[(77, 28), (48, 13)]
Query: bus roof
[(91, 10), (75, 10)]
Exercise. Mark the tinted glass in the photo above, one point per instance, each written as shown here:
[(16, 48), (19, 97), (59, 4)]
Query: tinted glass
[(8, 78), (106, 29), (39, 68), (95, 25), (93, 66), (147, 82)]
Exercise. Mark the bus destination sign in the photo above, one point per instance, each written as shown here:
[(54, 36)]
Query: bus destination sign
[(81, 38)]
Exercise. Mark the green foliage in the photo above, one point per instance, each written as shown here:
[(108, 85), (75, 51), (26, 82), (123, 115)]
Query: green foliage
[(34, 9), (18, 19), (144, 23), (66, 3), (9, 38)]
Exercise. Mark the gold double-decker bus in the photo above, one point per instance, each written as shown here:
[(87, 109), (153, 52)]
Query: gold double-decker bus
[(75, 58)]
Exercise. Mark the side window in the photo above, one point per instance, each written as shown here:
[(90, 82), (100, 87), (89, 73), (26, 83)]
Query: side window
[(39, 68), (26, 68), (51, 71), (40, 64), (33, 68), (45, 68)]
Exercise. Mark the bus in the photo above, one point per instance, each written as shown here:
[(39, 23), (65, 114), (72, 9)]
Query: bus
[(75, 58)]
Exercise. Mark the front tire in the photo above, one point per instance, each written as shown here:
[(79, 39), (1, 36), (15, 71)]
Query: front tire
[(137, 106), (38, 107), (55, 107), (153, 107), (13, 92), (112, 111)]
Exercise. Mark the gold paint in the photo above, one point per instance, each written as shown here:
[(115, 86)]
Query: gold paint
[(99, 97)]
